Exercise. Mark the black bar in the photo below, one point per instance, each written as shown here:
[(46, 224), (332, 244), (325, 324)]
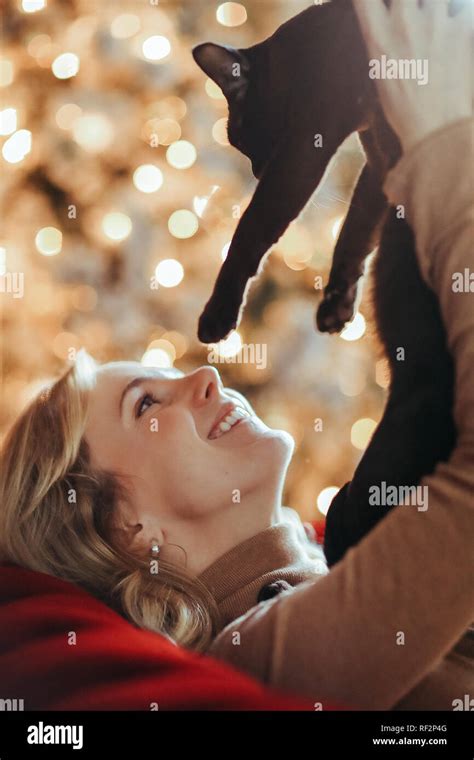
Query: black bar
[(446, 734)]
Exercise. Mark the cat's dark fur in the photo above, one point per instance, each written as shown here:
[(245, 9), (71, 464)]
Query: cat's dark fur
[(311, 77)]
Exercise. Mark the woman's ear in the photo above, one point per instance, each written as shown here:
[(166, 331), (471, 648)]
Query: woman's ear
[(134, 530), (226, 66)]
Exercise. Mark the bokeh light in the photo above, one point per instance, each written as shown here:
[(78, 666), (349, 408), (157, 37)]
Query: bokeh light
[(181, 154), (163, 344), (156, 48), (32, 6), (183, 224), (49, 241), (162, 131), (116, 225), (124, 26), (231, 14), (382, 373), (148, 178), (361, 432), (3, 260), (7, 121), (169, 273), (228, 347), (156, 357), (93, 132), (67, 114), (178, 341), (17, 146), (213, 90), (6, 72), (325, 498), (65, 66), (219, 131), (355, 329)]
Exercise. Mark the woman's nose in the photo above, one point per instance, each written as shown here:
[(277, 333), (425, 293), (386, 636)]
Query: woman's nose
[(206, 382)]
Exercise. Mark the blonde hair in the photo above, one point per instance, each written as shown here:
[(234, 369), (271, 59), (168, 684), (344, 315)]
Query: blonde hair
[(56, 515)]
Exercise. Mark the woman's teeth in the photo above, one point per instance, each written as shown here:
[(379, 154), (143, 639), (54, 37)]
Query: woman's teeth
[(229, 421)]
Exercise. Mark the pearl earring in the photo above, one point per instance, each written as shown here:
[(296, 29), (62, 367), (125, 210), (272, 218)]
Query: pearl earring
[(155, 547)]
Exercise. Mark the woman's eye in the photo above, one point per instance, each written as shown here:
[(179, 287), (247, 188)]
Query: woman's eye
[(144, 403)]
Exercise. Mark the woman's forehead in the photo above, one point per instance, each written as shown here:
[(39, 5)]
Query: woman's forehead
[(121, 371)]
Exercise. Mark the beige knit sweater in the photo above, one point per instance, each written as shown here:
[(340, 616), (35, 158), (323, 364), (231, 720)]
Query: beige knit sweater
[(386, 627)]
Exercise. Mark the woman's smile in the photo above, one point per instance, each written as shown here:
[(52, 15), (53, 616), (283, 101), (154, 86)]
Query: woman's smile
[(230, 415)]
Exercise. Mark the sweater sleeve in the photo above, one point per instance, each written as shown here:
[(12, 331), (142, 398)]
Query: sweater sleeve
[(371, 630)]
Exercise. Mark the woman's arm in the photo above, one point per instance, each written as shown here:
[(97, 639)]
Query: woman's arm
[(370, 630), (383, 618)]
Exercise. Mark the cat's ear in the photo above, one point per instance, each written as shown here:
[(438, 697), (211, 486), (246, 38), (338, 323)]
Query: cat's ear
[(226, 66)]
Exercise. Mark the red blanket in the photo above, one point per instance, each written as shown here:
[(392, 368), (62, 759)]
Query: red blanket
[(112, 665)]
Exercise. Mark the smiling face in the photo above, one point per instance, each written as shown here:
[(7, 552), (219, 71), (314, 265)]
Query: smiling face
[(193, 482)]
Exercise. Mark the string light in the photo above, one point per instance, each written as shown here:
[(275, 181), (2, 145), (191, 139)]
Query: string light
[(169, 273), (65, 66), (156, 48), (231, 14), (7, 121), (325, 498), (181, 154), (148, 178), (361, 432), (116, 225), (49, 241), (354, 329), (17, 146), (183, 224)]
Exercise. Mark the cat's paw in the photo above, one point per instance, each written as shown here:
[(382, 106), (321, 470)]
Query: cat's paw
[(336, 309), (219, 317)]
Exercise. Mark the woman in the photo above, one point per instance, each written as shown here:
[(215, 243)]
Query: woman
[(127, 481), (125, 486)]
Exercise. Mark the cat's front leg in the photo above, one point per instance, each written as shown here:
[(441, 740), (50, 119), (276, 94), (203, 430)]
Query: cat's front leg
[(358, 237), (223, 311), (285, 187)]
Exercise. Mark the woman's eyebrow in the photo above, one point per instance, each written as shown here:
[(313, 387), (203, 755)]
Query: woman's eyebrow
[(143, 379)]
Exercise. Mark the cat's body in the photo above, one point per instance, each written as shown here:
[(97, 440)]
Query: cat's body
[(311, 78)]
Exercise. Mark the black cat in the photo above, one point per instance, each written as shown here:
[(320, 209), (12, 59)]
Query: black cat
[(311, 78)]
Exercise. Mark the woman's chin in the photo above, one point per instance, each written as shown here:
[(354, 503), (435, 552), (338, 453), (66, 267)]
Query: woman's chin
[(280, 442)]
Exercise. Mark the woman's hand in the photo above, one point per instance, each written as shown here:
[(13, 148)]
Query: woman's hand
[(425, 33)]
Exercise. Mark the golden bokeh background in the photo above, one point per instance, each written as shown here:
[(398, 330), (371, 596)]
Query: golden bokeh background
[(120, 195)]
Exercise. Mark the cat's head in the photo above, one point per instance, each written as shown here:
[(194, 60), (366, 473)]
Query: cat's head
[(248, 127)]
